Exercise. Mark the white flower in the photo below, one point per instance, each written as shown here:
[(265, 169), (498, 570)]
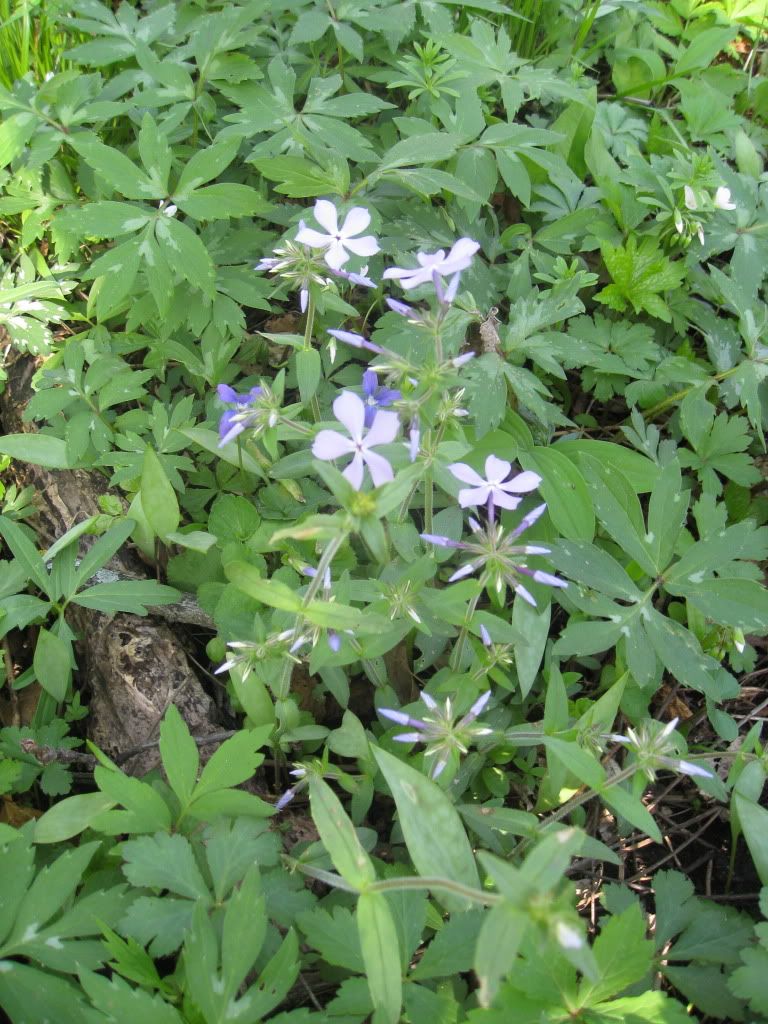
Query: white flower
[(349, 410), (723, 199), (436, 264), (338, 239), (496, 471), (690, 198)]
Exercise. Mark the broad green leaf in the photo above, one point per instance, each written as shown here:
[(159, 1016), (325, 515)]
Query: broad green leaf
[(270, 592), (618, 509), (115, 168), (381, 955), (533, 624), (231, 453), (582, 764), (639, 471), (334, 935), (754, 825), (52, 663), (53, 998), (179, 753), (431, 826), (428, 148), (100, 553), (500, 939), (623, 955), (563, 488), (243, 931), (17, 861), (15, 133), (186, 252), (592, 567), (235, 761), (667, 512), (70, 817), (630, 807), (164, 862), (124, 1004), (204, 165), (50, 890), (145, 810), (308, 372), (106, 219), (740, 603), (216, 202), (339, 837), (133, 596), (26, 555), (158, 498), (680, 653), (39, 449)]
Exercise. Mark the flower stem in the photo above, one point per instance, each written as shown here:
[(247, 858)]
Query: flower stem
[(458, 651)]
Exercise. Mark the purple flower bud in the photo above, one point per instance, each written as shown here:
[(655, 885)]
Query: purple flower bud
[(285, 799), (485, 636), (400, 307), (356, 341), (460, 361)]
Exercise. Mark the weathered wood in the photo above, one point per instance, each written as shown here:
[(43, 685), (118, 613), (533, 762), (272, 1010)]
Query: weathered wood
[(130, 668)]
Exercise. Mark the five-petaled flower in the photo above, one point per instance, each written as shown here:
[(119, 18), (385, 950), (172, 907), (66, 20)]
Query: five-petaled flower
[(496, 486), (654, 747), (434, 265), (376, 396), (338, 239), (244, 414), (349, 410)]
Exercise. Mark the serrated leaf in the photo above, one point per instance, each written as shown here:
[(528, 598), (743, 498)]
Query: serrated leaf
[(70, 817), (164, 862), (623, 956), (179, 754), (235, 761)]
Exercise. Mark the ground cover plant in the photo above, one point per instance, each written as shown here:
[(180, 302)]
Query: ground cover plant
[(383, 511)]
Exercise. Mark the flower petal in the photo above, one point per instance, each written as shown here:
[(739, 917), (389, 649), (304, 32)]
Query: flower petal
[(227, 394), (497, 469), (357, 220), (326, 216), (529, 519), (380, 470), (312, 238), (349, 409), (365, 246), (354, 472), (472, 496), (370, 382), (466, 474), (330, 444), (335, 255), (522, 483), (504, 500), (384, 429), (460, 256)]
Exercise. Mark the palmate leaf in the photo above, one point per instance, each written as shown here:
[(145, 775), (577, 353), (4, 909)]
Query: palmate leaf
[(640, 273)]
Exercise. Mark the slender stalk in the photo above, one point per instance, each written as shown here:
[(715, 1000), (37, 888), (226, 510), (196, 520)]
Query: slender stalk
[(457, 653)]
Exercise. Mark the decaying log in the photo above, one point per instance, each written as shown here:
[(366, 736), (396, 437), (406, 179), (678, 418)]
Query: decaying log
[(131, 667)]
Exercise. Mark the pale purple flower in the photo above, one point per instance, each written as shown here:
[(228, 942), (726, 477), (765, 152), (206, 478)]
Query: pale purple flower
[(244, 414), (376, 396), (338, 239), (401, 308), (654, 748), (356, 341), (360, 278), (438, 730), (496, 486), (462, 360), (496, 553), (434, 265), (349, 410)]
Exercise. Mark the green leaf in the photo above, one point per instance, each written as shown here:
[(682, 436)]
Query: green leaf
[(235, 761), (123, 1004), (243, 931), (50, 890), (52, 663), (533, 624), (431, 826), (215, 202), (339, 837), (623, 956), (164, 862), (381, 955), (618, 509), (754, 825), (308, 372), (145, 810), (185, 251), (106, 219), (179, 753), (270, 592), (641, 274), (732, 602), (133, 596), (53, 998), (39, 449), (428, 148), (334, 935), (680, 653), (70, 817), (563, 488), (15, 133), (116, 169), (231, 453), (594, 568), (640, 472), (158, 498), (25, 554), (500, 939), (630, 807), (204, 165)]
